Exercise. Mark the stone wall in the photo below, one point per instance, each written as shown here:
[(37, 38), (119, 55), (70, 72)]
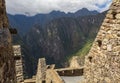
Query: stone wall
[(74, 63), (102, 65), (46, 73), (3, 17), (7, 68), (41, 71), (53, 77), (18, 63)]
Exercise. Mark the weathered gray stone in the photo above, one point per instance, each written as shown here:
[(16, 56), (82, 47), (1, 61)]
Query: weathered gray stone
[(104, 64), (118, 16), (109, 16), (109, 47), (7, 66)]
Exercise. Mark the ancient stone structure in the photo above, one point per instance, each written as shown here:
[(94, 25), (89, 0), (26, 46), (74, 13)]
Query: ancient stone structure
[(7, 68), (70, 71), (74, 62), (41, 71), (48, 73), (53, 77), (18, 63), (102, 65), (45, 74)]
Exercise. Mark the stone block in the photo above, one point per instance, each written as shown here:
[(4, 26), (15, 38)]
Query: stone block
[(109, 16), (118, 16)]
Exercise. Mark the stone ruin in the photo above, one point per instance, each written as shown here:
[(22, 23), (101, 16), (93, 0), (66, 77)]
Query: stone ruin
[(102, 65), (47, 73), (41, 71), (7, 66), (18, 63), (74, 62)]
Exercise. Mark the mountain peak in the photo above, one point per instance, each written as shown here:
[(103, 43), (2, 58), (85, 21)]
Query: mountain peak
[(24, 23), (56, 12), (85, 11)]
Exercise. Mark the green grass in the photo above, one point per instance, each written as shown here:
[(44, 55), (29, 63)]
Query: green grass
[(83, 51)]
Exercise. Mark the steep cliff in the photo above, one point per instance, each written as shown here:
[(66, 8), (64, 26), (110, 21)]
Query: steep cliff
[(62, 37), (24, 23), (7, 73), (59, 38)]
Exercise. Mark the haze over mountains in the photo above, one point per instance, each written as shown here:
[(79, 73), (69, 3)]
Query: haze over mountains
[(24, 23), (55, 36)]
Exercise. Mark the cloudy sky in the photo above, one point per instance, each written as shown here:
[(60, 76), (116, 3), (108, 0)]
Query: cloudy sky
[(45, 6)]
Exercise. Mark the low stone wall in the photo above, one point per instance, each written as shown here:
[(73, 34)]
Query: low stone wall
[(70, 72), (29, 81)]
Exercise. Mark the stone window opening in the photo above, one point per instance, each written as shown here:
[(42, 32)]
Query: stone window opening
[(114, 15), (43, 81), (51, 81), (16, 58), (99, 43), (90, 59), (13, 30), (48, 67)]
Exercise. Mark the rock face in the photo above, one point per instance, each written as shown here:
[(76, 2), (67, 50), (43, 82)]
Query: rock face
[(24, 23), (3, 18), (61, 37), (7, 73), (102, 65)]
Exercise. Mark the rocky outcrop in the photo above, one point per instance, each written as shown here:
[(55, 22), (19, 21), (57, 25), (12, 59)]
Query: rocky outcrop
[(7, 73), (3, 17), (102, 65)]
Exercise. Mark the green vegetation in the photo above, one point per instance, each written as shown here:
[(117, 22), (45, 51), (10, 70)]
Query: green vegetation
[(83, 51)]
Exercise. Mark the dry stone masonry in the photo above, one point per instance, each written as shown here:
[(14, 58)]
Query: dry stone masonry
[(41, 71), (18, 63), (45, 74), (7, 70), (102, 65), (74, 62)]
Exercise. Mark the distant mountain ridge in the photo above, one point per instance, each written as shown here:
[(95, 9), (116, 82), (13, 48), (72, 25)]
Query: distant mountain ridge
[(24, 23), (54, 36), (62, 37)]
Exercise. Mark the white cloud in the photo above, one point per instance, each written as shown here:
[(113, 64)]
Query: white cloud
[(45, 6)]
